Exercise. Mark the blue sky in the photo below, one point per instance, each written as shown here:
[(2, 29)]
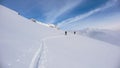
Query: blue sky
[(69, 14)]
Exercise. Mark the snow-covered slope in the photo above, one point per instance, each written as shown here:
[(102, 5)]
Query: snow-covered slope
[(20, 38), (80, 52), (25, 44), (109, 36)]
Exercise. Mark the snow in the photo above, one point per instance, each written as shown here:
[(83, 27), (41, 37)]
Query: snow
[(20, 38), (48, 25), (80, 52), (106, 35), (26, 44)]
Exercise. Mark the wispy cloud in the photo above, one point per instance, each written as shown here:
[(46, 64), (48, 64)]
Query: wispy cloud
[(62, 8), (83, 16)]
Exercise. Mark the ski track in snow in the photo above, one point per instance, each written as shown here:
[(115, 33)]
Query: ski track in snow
[(36, 58), (40, 57)]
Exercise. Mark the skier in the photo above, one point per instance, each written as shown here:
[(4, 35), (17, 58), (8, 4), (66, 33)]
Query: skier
[(65, 32), (74, 32)]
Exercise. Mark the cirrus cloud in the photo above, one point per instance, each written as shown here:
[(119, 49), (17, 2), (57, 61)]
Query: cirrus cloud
[(70, 21)]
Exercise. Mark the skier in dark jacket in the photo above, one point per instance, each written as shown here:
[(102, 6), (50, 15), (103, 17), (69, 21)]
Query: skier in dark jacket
[(74, 32), (65, 32)]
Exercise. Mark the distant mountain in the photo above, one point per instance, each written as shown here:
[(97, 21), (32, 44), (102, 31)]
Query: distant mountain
[(109, 36)]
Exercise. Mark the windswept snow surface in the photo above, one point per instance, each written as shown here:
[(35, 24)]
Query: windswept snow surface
[(25, 44)]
